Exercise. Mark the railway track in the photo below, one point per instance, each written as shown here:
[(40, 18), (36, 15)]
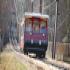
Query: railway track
[(59, 67), (54, 65), (51, 64)]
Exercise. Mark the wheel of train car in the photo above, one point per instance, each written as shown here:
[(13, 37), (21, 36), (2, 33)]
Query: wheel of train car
[(41, 55), (37, 55), (25, 52)]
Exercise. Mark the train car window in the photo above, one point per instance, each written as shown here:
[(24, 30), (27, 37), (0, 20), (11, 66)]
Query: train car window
[(36, 26), (28, 25), (43, 27)]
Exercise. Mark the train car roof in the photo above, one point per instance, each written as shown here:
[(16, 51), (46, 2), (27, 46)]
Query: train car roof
[(36, 15)]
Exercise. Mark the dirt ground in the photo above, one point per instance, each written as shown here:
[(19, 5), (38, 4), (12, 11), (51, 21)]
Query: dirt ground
[(9, 62)]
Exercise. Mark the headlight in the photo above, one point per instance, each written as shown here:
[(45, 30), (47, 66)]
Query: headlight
[(30, 33), (39, 42), (43, 34), (31, 41)]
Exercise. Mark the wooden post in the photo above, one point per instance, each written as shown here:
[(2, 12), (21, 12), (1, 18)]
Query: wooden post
[(54, 35), (40, 6)]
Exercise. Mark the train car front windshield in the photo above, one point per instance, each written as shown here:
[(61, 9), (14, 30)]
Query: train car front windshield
[(28, 25), (36, 25)]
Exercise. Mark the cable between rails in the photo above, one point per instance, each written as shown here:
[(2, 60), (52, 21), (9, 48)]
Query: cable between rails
[(63, 21), (44, 7)]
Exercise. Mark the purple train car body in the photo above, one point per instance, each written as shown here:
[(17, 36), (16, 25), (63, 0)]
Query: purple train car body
[(36, 34)]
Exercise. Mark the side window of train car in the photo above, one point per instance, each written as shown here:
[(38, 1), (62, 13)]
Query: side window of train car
[(43, 27), (36, 26), (28, 25)]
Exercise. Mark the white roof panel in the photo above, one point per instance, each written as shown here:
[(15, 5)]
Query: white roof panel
[(36, 14)]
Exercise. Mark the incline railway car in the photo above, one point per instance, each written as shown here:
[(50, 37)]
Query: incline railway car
[(36, 34)]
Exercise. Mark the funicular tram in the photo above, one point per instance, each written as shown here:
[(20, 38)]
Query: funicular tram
[(35, 34)]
